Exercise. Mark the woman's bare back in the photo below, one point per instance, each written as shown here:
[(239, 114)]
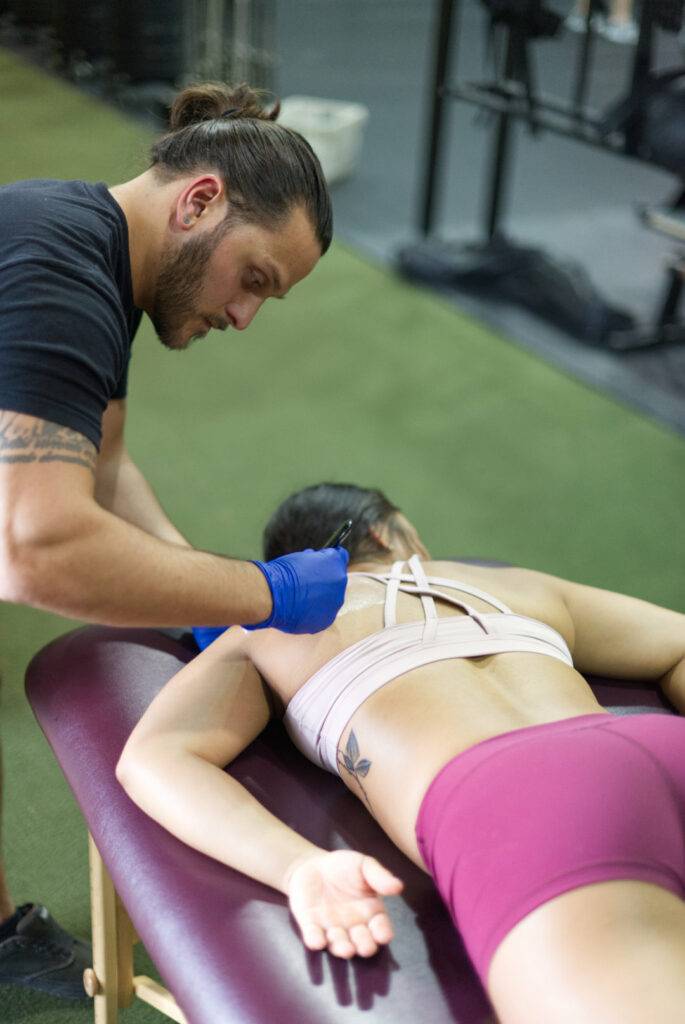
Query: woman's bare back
[(407, 730)]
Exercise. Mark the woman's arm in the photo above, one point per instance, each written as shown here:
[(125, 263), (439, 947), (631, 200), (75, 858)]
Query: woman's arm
[(627, 638), (172, 767)]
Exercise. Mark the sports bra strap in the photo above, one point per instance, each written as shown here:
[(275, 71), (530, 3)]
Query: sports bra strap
[(418, 584), (392, 587), (430, 614), (442, 581)]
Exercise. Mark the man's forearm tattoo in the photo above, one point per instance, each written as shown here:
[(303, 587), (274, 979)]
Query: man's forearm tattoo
[(41, 441), (358, 767)]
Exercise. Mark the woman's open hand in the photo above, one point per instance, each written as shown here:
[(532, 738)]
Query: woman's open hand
[(336, 900)]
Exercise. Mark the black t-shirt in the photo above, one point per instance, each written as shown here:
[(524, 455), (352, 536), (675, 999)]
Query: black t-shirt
[(67, 317)]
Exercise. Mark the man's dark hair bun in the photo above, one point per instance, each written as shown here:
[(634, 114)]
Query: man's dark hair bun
[(208, 101)]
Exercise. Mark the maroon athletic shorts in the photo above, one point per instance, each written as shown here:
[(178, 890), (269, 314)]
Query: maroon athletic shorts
[(523, 817)]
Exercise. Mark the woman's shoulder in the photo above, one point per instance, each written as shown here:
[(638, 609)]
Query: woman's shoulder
[(528, 592), (497, 573)]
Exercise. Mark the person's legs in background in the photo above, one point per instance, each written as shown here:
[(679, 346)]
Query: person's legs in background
[(618, 25)]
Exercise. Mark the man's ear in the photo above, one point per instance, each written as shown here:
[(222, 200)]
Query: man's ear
[(198, 201)]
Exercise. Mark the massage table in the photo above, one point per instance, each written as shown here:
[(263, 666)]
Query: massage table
[(225, 945)]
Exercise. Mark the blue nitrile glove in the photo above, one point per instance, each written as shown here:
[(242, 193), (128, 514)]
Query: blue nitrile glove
[(307, 593), (307, 589), (204, 635)]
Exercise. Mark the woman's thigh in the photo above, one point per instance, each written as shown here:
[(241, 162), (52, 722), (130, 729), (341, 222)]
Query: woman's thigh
[(609, 953)]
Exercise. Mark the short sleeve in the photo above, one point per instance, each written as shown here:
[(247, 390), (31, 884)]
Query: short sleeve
[(64, 342)]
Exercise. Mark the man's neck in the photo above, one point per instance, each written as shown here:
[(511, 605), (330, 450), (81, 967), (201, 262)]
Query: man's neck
[(143, 204)]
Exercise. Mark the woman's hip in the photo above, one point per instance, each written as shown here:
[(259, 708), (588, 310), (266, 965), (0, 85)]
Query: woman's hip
[(515, 820)]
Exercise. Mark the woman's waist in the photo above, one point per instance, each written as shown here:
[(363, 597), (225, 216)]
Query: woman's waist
[(443, 709), (399, 740)]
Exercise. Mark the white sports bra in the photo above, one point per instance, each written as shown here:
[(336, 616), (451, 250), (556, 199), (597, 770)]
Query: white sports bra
[(318, 713)]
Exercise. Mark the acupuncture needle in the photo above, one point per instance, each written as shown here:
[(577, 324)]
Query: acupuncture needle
[(336, 538)]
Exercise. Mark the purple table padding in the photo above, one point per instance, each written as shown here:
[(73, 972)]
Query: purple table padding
[(224, 944)]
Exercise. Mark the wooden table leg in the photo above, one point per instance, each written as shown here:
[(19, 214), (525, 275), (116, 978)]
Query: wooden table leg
[(102, 982)]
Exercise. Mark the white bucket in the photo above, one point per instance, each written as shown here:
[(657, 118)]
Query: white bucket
[(332, 128)]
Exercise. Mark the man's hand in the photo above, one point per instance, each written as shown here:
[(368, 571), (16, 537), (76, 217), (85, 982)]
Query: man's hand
[(307, 590), (336, 900)]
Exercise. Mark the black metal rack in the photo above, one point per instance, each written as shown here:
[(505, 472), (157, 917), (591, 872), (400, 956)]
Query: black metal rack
[(509, 97)]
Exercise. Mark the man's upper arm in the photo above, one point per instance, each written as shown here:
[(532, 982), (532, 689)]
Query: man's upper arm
[(27, 440), (46, 491), (214, 707), (112, 455), (622, 637), (113, 422), (45, 469)]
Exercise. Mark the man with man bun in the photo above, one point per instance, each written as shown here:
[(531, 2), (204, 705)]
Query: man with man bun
[(232, 211)]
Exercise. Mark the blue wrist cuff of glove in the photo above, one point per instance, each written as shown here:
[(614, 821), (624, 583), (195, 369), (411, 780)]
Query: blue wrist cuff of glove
[(205, 635), (278, 578)]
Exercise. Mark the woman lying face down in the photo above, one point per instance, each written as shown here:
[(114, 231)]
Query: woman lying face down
[(450, 699)]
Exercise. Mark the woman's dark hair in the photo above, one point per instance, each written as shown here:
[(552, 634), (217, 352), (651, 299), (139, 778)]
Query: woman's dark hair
[(308, 518), (267, 169)]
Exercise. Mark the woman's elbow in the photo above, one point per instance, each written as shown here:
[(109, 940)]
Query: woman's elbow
[(136, 767), (126, 769), (145, 767)]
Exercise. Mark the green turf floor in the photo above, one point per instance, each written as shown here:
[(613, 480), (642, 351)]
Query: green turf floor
[(359, 377)]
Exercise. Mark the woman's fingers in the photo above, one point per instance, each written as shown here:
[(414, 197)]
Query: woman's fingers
[(364, 942), (360, 939), (381, 929), (379, 878), (357, 940), (337, 900), (339, 943), (313, 936)]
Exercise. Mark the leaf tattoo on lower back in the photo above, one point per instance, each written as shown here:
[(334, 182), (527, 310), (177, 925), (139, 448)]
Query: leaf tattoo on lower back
[(357, 767)]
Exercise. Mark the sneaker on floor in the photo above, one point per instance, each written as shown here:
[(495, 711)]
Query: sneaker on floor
[(41, 955), (575, 22), (625, 32)]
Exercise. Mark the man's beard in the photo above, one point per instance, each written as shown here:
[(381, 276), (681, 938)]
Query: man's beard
[(179, 284)]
